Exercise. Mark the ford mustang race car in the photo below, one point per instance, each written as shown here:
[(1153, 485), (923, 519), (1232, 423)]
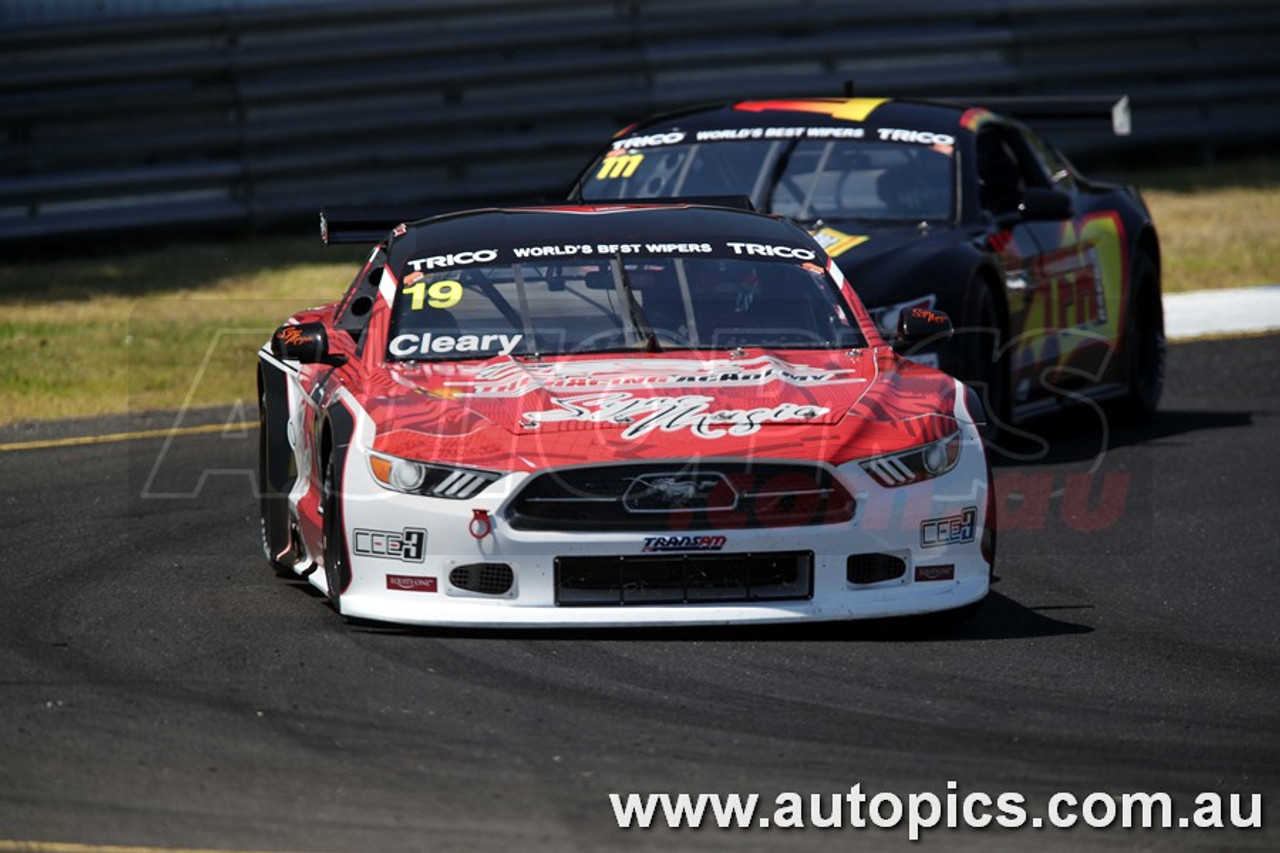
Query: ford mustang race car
[(1052, 279), (621, 416)]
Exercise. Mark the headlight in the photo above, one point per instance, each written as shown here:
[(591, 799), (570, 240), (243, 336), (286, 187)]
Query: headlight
[(886, 317), (919, 463), (424, 478)]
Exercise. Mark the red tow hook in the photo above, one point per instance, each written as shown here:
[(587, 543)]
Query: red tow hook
[(481, 525)]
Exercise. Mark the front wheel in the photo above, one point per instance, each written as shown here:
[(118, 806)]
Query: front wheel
[(1144, 345), (337, 569), (983, 365)]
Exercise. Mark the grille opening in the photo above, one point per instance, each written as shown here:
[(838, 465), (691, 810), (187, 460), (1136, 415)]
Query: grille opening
[(676, 495), (484, 578), (874, 568), (683, 579)]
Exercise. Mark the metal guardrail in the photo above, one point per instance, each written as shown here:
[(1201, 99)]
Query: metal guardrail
[(258, 116)]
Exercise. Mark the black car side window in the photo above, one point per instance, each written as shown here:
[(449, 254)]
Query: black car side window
[(1001, 183)]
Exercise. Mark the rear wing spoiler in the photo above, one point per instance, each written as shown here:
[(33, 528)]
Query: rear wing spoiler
[(372, 224), (1062, 111)]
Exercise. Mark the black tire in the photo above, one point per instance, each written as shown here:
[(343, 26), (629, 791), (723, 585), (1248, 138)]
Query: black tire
[(267, 499), (983, 364), (337, 570), (1144, 345)]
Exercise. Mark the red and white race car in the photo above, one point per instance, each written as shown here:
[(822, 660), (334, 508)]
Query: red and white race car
[(617, 416)]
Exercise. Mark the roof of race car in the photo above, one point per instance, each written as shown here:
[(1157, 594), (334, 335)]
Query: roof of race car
[(818, 112), (592, 230)]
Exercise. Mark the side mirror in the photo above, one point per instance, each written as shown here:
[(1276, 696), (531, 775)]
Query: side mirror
[(920, 325), (307, 343), (1044, 205)]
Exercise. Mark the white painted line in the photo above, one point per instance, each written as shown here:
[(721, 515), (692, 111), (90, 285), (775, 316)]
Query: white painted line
[(1214, 313)]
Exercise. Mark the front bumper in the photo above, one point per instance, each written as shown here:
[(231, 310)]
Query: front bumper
[(407, 551)]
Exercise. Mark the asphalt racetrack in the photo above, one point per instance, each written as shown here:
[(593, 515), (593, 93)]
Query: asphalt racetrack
[(161, 687)]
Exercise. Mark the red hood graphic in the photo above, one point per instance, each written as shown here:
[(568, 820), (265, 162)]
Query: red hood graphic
[(526, 415)]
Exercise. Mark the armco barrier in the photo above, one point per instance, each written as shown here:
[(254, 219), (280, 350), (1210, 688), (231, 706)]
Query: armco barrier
[(256, 116)]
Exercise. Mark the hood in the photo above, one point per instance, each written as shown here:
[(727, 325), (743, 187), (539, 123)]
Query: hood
[(509, 414), (887, 264)]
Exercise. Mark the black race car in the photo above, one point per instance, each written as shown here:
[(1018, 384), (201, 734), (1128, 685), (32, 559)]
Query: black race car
[(1052, 279)]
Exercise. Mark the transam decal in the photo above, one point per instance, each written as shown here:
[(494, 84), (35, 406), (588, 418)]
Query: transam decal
[(851, 109), (514, 380), (836, 243), (455, 259), (431, 343), (684, 543), (411, 583), (671, 414)]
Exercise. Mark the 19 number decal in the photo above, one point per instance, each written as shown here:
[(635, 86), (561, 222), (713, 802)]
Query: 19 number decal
[(440, 294)]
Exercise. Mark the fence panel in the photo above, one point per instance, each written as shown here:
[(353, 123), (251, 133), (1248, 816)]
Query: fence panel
[(256, 116)]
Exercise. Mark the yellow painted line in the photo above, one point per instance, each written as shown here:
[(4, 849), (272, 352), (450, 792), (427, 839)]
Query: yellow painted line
[(168, 432), (58, 847)]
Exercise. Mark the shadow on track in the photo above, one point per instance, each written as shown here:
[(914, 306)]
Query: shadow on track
[(1084, 433)]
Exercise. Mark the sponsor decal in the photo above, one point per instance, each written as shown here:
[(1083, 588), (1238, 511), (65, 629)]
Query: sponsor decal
[(684, 543), (955, 529), (619, 164), (455, 259), (739, 133), (836, 243), (918, 137), (935, 573), (672, 414), (792, 252), (411, 583), (431, 343), (291, 336), (671, 137), (933, 318), (408, 545), (566, 251), (513, 380)]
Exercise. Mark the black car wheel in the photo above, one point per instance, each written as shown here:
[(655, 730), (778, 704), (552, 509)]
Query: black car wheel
[(983, 363), (337, 571), (1144, 345), (269, 501)]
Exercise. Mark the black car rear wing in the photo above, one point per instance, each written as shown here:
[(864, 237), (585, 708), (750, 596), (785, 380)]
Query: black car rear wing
[(371, 224), (1061, 111), (368, 224)]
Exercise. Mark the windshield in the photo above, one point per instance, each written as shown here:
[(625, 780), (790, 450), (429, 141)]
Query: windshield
[(614, 304), (802, 179)]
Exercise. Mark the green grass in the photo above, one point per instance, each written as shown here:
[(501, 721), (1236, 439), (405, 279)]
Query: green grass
[(179, 325), (157, 329)]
